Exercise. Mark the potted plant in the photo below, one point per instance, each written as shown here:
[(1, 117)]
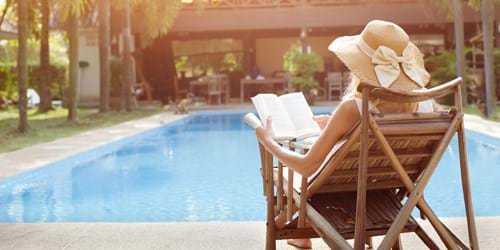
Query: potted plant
[(303, 66)]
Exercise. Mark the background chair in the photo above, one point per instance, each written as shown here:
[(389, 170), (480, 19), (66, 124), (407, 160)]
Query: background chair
[(334, 83), (218, 87)]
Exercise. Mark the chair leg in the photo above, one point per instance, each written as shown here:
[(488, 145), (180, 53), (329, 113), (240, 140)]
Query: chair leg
[(464, 170), (271, 229), (369, 242), (270, 237), (426, 239), (397, 245)]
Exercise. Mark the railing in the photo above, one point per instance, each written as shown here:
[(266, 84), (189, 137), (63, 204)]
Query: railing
[(240, 4)]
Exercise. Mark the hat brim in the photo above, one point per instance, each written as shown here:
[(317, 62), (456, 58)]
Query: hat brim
[(347, 50)]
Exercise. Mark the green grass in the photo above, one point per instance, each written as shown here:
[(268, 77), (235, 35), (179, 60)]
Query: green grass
[(474, 110), (49, 126)]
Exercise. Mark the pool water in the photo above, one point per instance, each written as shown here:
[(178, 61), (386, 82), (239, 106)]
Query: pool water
[(202, 168)]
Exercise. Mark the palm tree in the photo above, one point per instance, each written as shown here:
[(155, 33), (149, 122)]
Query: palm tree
[(22, 66), (487, 14), (127, 62), (72, 29), (44, 82), (70, 12), (458, 16), (104, 53)]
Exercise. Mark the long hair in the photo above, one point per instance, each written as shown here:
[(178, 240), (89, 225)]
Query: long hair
[(351, 92)]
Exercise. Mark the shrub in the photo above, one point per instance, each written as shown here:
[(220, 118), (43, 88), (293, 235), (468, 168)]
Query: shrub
[(303, 67), (443, 68), (8, 80)]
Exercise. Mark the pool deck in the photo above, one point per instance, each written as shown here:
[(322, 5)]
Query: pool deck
[(210, 235), (190, 235)]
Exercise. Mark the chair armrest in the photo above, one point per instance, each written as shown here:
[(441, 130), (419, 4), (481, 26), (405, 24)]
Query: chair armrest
[(411, 96)]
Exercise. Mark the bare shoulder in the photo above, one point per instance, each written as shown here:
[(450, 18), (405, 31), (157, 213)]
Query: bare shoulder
[(348, 107)]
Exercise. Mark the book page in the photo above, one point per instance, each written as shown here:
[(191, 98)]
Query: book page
[(270, 105), (300, 114)]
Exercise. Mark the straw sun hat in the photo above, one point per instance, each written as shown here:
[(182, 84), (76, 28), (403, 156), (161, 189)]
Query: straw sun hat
[(383, 55)]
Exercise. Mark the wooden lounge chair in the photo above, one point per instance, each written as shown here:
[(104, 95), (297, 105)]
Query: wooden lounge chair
[(360, 189)]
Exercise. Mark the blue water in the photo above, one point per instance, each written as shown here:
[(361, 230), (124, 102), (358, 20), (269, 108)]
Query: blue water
[(202, 168)]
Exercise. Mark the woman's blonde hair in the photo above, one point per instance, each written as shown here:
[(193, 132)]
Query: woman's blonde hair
[(351, 92)]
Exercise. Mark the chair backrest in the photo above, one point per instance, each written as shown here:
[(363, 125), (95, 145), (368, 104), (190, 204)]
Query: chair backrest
[(215, 83), (413, 137), (334, 79)]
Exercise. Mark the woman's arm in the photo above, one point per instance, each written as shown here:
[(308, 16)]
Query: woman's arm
[(343, 119)]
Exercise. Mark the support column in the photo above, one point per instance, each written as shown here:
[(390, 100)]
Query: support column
[(249, 53)]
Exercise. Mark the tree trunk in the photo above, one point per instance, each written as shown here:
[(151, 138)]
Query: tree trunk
[(104, 54), (458, 15), (127, 62), (44, 82), (22, 66), (74, 85), (487, 9)]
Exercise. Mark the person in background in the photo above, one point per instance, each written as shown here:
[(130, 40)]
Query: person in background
[(255, 73)]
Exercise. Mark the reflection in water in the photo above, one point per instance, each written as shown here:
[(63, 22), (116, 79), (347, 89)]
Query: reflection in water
[(204, 168)]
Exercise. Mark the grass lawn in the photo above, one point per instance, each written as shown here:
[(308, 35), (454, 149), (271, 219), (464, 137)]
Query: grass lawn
[(474, 110), (49, 126)]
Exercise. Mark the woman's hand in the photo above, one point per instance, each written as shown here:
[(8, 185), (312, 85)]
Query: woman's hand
[(322, 120), (265, 134)]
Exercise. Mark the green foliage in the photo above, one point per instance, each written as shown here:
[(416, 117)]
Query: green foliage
[(475, 110), (289, 57), (53, 125), (58, 50), (8, 80), (443, 68), (303, 67), (232, 62)]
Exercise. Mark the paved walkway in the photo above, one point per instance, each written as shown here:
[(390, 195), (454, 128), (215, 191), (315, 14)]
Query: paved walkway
[(192, 235), (481, 125)]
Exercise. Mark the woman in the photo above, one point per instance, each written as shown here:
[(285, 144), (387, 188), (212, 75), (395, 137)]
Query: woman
[(381, 55)]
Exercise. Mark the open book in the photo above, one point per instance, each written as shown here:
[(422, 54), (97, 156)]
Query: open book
[(291, 115)]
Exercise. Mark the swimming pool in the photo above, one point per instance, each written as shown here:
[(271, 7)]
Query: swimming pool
[(202, 168)]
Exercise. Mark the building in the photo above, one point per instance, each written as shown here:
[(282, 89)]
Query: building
[(258, 32)]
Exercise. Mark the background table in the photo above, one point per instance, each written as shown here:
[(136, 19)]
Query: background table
[(271, 82)]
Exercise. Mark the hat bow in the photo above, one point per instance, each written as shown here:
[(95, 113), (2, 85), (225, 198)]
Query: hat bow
[(387, 65)]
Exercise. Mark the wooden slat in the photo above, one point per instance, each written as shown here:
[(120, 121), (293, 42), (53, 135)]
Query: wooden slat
[(373, 172), (422, 128), (423, 137), (331, 237), (401, 153), (401, 117), (296, 233), (303, 201), (348, 187), (280, 186), (322, 178)]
